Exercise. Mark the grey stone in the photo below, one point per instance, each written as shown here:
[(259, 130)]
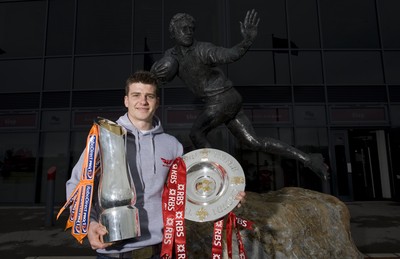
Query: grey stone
[(289, 223)]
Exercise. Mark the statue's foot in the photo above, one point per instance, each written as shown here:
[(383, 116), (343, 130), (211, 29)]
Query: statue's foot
[(317, 165)]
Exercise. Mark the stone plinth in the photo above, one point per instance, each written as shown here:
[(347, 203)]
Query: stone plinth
[(289, 223)]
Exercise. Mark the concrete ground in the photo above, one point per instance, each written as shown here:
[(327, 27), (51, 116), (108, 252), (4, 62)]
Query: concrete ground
[(375, 228)]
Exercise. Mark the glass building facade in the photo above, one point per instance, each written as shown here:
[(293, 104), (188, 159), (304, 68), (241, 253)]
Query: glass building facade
[(322, 75)]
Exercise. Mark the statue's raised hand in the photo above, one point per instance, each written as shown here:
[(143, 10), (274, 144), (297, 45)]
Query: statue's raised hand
[(248, 28)]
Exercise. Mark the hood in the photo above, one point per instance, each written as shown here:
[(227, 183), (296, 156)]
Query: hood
[(127, 124)]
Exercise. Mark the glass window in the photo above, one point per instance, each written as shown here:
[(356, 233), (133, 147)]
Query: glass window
[(306, 67), (17, 167), (272, 20), (392, 67), (264, 115), (309, 94), (78, 144), (283, 134), (303, 23), (209, 27), (253, 68), (21, 75), (104, 98), (260, 68), (219, 138), (394, 147), (19, 101), (18, 121), (310, 115), (349, 24), (390, 20), (145, 61), (22, 26), (361, 115), (108, 72), (280, 62), (350, 93), (267, 171), (312, 140), (262, 170), (56, 100), (60, 29), (104, 26), (54, 153), (181, 96), (58, 74), (394, 114), (358, 67), (55, 120), (266, 94), (147, 35), (394, 93)]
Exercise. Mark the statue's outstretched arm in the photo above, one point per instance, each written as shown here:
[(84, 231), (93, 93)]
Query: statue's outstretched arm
[(220, 55)]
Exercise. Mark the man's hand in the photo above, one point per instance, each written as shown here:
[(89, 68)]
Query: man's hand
[(249, 27), (95, 235), (240, 196)]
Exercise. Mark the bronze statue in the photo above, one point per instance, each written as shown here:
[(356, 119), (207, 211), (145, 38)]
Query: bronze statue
[(195, 63)]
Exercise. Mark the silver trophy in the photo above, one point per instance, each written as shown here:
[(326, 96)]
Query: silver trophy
[(213, 180), (116, 190)]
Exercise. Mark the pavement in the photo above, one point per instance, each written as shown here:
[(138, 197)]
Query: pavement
[(375, 228), (26, 234)]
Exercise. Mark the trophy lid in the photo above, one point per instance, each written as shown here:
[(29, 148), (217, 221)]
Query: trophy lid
[(110, 126)]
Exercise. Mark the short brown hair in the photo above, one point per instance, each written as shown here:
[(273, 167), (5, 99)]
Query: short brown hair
[(144, 77)]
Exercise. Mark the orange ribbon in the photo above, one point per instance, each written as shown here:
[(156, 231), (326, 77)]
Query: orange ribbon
[(81, 198)]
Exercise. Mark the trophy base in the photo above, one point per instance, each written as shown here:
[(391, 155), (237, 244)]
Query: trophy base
[(121, 223)]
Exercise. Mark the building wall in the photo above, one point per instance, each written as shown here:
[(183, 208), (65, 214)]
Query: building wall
[(316, 67)]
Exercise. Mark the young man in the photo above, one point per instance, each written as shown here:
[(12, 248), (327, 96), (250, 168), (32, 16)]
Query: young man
[(148, 151), (196, 63)]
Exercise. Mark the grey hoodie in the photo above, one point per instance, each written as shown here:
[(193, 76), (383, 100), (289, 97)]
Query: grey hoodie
[(149, 155)]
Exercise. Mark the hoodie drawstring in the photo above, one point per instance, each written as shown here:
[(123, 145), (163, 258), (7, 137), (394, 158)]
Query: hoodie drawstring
[(138, 158)]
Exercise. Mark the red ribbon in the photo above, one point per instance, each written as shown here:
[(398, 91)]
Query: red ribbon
[(217, 239), (173, 199), (232, 224)]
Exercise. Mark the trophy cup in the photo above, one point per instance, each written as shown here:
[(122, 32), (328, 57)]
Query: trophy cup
[(116, 190)]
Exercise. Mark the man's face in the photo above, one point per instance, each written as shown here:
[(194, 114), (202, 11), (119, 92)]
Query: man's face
[(183, 33), (142, 102)]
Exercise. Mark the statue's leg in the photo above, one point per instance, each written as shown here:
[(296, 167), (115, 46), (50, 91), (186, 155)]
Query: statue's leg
[(206, 121), (243, 130), (218, 109)]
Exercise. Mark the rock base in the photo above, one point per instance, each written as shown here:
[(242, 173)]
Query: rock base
[(289, 223)]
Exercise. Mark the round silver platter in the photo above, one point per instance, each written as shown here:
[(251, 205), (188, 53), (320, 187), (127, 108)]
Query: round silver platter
[(214, 178)]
